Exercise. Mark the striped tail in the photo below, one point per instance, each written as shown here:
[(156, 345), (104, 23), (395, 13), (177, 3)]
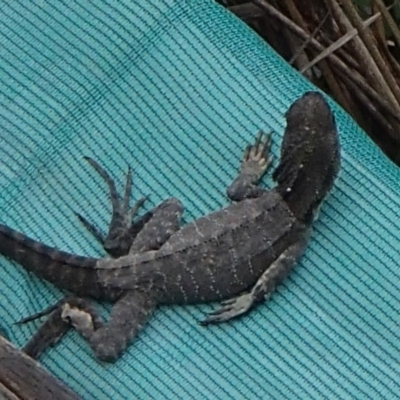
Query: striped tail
[(65, 270)]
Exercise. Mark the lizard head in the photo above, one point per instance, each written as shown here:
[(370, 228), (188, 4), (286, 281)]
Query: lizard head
[(310, 155)]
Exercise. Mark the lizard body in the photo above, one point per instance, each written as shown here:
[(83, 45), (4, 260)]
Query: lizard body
[(250, 245), (212, 258)]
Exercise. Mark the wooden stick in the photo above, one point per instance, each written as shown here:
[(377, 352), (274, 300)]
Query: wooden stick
[(389, 107), (22, 378), (371, 46)]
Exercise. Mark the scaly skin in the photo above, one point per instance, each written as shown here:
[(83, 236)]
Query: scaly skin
[(250, 245)]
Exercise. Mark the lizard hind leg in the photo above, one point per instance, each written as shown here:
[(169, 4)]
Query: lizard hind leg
[(109, 340), (122, 230), (164, 222), (49, 334), (56, 325), (255, 163)]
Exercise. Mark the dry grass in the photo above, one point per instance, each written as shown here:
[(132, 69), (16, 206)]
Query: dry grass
[(349, 49)]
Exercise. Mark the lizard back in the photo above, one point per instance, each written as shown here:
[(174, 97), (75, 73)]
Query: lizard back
[(211, 258)]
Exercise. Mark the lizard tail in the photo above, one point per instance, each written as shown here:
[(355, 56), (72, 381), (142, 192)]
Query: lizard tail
[(58, 267)]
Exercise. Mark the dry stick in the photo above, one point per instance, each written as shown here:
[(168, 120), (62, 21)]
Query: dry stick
[(298, 19), (378, 30), (295, 13), (390, 151), (326, 70), (355, 76), (342, 52), (342, 97), (367, 102), (389, 57), (305, 44), (368, 64), (23, 378), (339, 93), (369, 42), (338, 88), (341, 20), (339, 43), (383, 43), (391, 22), (347, 57)]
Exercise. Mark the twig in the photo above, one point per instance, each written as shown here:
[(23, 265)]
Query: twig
[(356, 77), (306, 42), (392, 24), (339, 43), (325, 68), (369, 42), (368, 64)]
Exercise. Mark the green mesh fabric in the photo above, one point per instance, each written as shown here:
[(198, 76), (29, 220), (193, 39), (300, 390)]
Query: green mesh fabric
[(176, 90)]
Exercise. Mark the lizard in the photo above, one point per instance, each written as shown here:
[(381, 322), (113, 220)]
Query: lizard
[(237, 255)]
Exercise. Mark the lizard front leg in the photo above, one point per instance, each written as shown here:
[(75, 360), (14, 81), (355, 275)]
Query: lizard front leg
[(265, 286), (255, 164)]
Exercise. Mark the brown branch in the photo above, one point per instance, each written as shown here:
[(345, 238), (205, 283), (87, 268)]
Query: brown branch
[(370, 44), (368, 64), (306, 42), (23, 378), (342, 67), (391, 22), (339, 43)]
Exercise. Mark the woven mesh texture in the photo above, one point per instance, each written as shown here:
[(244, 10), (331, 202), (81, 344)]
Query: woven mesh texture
[(176, 90)]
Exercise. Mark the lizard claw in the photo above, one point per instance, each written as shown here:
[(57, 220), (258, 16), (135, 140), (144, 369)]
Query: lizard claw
[(42, 313), (231, 308), (91, 228)]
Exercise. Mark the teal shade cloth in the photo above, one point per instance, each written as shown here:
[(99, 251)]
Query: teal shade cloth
[(176, 89)]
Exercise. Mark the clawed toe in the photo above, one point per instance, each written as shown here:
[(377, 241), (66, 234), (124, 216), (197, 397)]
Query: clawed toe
[(122, 230), (91, 228), (256, 157), (231, 308), (42, 313), (259, 151)]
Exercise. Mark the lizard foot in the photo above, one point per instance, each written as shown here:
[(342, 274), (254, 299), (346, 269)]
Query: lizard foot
[(48, 335), (57, 324), (256, 160), (231, 308), (122, 231), (81, 316), (255, 163)]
